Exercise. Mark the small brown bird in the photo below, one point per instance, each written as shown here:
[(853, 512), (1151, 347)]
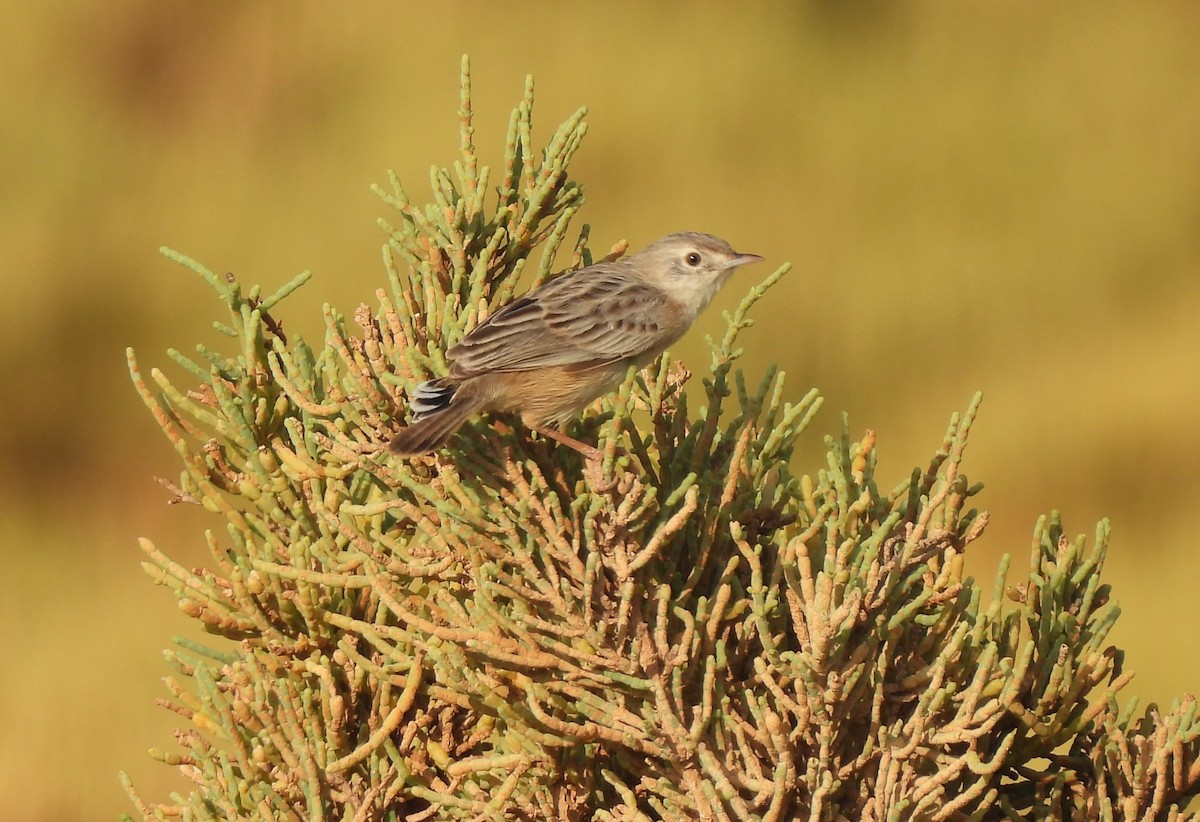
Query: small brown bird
[(552, 352)]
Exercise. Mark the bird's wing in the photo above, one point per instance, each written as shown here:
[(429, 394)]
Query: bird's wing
[(586, 318)]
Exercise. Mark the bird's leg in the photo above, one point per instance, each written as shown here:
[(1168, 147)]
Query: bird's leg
[(594, 457), (589, 452)]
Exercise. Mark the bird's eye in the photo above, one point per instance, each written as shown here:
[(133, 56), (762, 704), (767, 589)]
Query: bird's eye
[(692, 259)]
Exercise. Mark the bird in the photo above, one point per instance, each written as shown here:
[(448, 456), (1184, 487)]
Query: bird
[(548, 354)]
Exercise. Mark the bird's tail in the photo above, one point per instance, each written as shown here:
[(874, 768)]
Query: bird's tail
[(441, 408)]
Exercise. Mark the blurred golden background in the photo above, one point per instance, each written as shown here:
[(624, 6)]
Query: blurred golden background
[(1001, 197)]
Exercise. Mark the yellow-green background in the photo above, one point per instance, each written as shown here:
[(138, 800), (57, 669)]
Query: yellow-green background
[(999, 196)]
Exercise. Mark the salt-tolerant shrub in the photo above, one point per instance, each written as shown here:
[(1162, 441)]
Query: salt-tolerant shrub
[(689, 631)]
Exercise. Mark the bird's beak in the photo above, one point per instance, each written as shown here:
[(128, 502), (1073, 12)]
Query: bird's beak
[(741, 259)]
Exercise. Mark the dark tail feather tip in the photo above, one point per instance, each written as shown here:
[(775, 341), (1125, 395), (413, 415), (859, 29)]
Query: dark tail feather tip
[(400, 446), (431, 432), (432, 396)]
